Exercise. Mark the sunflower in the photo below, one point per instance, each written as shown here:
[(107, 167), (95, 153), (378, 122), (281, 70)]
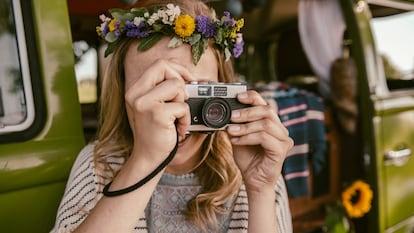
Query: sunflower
[(356, 199), (184, 25)]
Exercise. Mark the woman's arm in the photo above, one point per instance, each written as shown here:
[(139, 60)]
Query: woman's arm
[(262, 212), (156, 109), (121, 213)]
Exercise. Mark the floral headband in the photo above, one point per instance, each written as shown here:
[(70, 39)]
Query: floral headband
[(168, 21)]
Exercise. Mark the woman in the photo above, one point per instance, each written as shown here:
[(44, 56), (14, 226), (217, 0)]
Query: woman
[(225, 181)]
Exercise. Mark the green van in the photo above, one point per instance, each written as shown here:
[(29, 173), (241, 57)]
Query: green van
[(356, 55)]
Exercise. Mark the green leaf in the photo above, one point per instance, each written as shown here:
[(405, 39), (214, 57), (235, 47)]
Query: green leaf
[(117, 11), (195, 38), (111, 37), (157, 27), (198, 49), (175, 42), (227, 53), (149, 41), (122, 15), (110, 48), (139, 11), (219, 37)]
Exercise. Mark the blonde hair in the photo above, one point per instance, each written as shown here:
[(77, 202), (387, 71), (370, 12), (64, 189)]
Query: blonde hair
[(219, 176)]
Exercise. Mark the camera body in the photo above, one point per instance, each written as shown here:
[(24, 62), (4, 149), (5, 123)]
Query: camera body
[(211, 104)]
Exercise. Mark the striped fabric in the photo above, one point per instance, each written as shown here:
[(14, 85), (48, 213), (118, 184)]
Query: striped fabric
[(84, 189), (302, 113)]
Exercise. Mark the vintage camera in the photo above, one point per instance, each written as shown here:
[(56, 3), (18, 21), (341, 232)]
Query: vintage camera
[(211, 104)]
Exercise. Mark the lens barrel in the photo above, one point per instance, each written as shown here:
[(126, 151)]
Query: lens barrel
[(216, 112)]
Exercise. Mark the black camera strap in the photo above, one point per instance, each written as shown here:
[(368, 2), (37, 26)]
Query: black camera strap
[(140, 183)]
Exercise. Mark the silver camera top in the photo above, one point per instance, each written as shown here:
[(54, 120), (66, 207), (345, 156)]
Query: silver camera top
[(214, 89)]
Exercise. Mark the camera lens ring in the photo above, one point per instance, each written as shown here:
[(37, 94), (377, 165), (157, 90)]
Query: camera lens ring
[(216, 113)]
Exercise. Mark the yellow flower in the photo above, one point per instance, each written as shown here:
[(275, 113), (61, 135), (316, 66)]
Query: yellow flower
[(112, 25), (239, 24), (99, 31), (356, 199), (184, 25)]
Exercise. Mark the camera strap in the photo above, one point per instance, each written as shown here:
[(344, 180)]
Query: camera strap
[(140, 183)]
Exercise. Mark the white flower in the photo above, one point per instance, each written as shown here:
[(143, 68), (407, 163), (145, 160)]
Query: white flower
[(239, 37), (103, 25), (103, 18), (138, 20), (170, 14), (173, 11), (153, 18)]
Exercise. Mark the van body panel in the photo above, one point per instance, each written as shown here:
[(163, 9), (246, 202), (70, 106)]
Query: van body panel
[(395, 130), (31, 209), (33, 172)]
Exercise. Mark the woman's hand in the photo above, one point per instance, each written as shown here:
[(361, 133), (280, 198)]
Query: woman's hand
[(260, 143), (157, 110)]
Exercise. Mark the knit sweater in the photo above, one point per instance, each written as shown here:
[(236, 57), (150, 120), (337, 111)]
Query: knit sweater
[(163, 212)]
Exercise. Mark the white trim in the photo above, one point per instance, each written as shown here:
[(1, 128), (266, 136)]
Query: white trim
[(24, 65), (409, 223), (393, 4)]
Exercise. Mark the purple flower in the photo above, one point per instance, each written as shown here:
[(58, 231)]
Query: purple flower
[(135, 31), (105, 30), (205, 27), (229, 22), (238, 48)]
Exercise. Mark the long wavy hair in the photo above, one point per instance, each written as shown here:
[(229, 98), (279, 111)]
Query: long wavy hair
[(219, 176)]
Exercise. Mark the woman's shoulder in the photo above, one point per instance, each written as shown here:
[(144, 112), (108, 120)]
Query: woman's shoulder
[(86, 154), (87, 160)]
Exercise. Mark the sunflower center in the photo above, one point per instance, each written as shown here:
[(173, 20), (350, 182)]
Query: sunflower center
[(355, 196)]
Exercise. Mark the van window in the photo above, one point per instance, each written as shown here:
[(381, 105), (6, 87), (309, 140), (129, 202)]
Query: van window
[(16, 98), (86, 69), (394, 36)]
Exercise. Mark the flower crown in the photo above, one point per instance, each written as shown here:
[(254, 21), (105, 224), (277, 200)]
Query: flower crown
[(168, 21)]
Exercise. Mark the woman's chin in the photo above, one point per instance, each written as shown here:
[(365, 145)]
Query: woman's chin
[(183, 139), (187, 156)]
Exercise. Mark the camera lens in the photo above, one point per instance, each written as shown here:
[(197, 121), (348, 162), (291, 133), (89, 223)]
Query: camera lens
[(216, 112)]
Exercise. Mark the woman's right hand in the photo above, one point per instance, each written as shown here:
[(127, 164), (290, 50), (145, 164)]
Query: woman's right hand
[(156, 108)]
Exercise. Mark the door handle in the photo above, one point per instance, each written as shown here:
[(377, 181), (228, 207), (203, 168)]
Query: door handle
[(397, 157)]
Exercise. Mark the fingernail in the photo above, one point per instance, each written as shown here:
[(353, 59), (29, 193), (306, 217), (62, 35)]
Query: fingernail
[(234, 140), (242, 95), (235, 114), (234, 128)]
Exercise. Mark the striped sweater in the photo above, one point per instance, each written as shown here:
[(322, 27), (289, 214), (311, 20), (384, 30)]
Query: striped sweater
[(84, 189)]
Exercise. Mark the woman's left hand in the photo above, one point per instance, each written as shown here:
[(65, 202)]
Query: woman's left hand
[(260, 142)]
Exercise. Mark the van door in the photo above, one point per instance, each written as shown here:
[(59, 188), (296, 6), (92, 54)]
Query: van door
[(382, 36), (394, 118)]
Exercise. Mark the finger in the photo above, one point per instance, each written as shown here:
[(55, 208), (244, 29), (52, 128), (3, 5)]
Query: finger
[(270, 127), (167, 91), (254, 113), (251, 97), (268, 142), (179, 116), (172, 90), (172, 115), (159, 71), (183, 119), (257, 113)]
